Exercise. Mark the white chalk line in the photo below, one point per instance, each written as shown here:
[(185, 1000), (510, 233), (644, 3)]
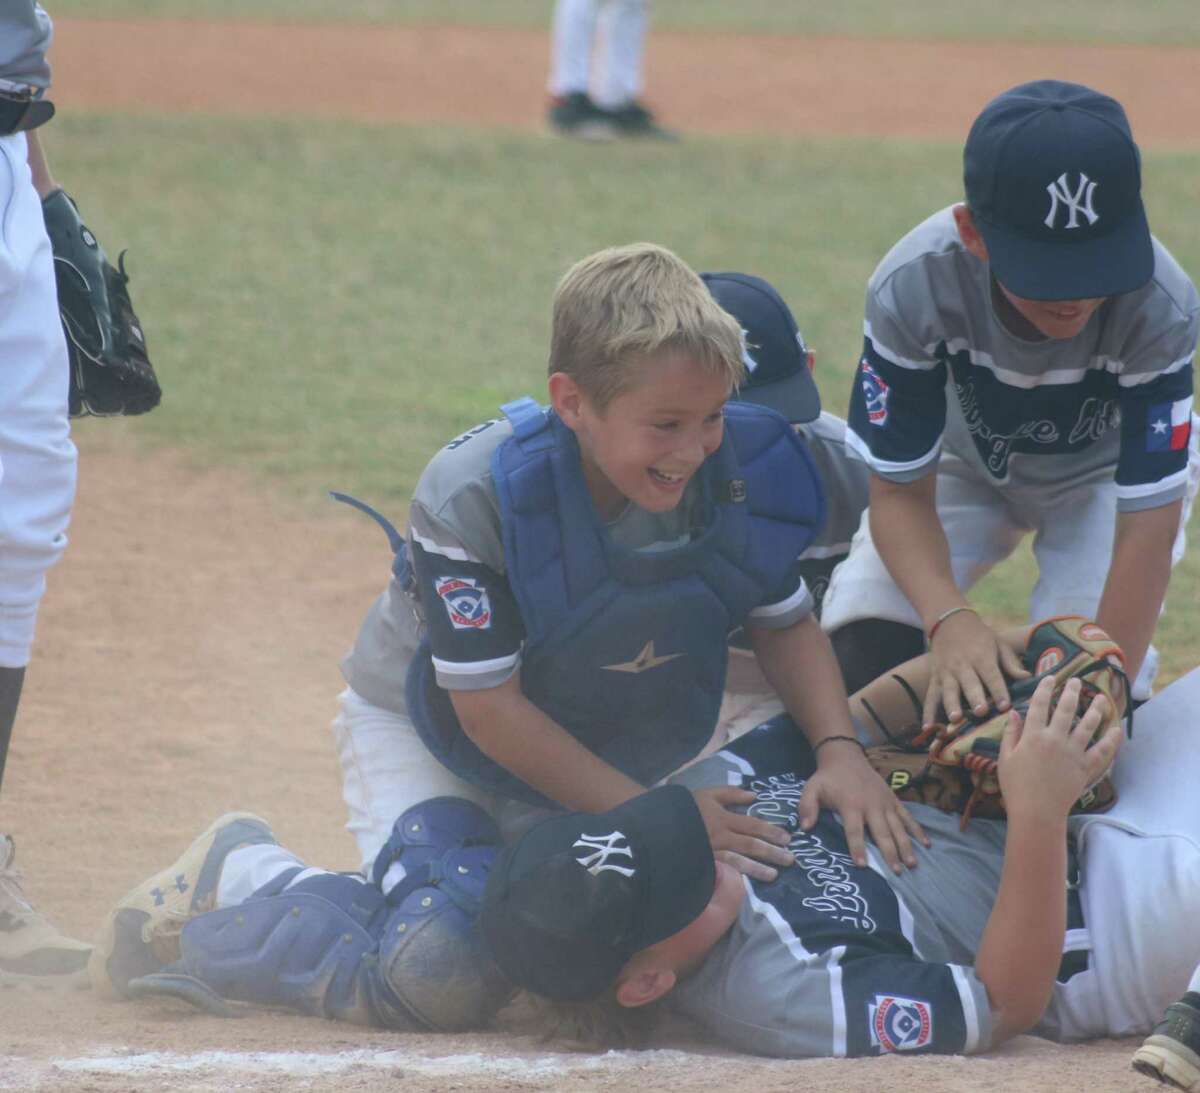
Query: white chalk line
[(311, 1064)]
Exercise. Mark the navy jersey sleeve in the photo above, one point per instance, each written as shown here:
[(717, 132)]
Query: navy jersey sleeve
[(474, 626), (897, 414), (1156, 428)]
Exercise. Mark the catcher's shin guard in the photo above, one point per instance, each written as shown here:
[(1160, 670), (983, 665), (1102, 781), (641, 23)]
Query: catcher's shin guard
[(141, 934)]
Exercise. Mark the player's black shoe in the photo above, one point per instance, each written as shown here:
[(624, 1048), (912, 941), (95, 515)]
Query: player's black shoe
[(635, 120), (1171, 1053), (575, 115)]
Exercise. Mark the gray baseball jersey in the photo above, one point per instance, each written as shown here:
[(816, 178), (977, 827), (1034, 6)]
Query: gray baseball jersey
[(454, 534), (846, 490), (832, 960), (939, 370), (25, 32)]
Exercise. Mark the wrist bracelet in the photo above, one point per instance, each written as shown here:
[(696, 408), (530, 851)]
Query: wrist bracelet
[(944, 616), (853, 740)]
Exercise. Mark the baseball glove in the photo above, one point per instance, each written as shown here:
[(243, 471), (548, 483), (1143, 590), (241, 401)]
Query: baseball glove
[(954, 767), (110, 371)]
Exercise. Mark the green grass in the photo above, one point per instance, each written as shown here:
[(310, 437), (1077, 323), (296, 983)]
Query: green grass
[(328, 304), (1170, 22)]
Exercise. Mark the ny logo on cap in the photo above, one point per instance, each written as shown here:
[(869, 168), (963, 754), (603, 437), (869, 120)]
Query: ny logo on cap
[(747, 358), (1078, 202), (605, 847)]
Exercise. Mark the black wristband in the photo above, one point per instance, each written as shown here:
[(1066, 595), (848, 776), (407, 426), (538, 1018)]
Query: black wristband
[(829, 739)]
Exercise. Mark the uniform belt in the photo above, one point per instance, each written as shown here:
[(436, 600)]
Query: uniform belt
[(21, 112), (1074, 962)]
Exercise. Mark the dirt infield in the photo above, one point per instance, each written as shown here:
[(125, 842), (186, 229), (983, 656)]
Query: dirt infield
[(705, 83), (187, 649)]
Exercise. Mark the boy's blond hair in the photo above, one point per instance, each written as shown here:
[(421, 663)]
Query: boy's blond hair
[(623, 306)]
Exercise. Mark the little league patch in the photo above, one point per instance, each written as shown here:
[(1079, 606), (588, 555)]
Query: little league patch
[(466, 603)]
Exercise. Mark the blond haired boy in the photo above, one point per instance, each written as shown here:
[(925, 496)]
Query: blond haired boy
[(554, 633)]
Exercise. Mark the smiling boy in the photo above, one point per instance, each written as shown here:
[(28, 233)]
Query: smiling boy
[(1027, 367), (555, 630)]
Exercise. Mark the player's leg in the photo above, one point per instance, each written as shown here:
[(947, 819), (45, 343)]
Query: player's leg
[(617, 83), (1140, 878), (386, 769), (37, 486), (572, 111), (870, 622)]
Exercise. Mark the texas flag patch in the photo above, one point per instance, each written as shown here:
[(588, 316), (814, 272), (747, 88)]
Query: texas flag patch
[(1169, 426), (900, 1024), (466, 603)]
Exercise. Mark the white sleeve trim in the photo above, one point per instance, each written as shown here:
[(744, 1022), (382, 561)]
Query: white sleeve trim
[(892, 357), (885, 467), (1147, 489), (831, 551), (443, 550), (794, 602), (475, 667), (970, 1013), (1139, 378)]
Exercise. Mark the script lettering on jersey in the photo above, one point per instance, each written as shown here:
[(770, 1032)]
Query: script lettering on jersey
[(828, 871), (605, 847), (1096, 417), (996, 447)]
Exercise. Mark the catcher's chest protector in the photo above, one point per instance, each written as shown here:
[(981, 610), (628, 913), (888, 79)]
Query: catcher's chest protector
[(627, 650)]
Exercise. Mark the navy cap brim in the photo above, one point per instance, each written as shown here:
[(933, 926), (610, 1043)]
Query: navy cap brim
[(1107, 265), (795, 397)]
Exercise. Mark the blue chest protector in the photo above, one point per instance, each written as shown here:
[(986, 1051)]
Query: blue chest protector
[(626, 650)]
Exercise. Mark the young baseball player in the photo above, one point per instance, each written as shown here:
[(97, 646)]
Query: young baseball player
[(779, 375), (37, 458), (596, 71), (1027, 367), (982, 942), (555, 630)]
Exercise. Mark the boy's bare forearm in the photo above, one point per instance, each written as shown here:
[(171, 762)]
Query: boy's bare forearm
[(1021, 947), (909, 537), (39, 168), (800, 665), (514, 733), (1137, 579)]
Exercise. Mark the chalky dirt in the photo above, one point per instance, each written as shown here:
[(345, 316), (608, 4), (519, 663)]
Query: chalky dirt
[(187, 650)]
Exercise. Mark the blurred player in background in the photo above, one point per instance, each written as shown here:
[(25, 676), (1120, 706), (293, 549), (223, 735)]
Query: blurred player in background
[(37, 457), (596, 71)]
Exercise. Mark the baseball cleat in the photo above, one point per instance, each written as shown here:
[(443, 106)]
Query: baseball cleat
[(575, 115), (1171, 1053), (32, 952), (141, 934), (635, 120)]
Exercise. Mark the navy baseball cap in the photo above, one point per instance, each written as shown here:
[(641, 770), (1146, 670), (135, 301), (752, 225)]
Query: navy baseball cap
[(1053, 181), (776, 358), (570, 902)]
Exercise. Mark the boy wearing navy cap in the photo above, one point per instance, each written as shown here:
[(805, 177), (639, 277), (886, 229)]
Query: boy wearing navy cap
[(1027, 367)]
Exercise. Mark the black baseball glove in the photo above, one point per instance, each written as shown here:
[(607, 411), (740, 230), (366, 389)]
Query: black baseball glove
[(110, 371)]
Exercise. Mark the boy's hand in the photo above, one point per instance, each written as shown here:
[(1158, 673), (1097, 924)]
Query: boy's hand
[(968, 664), (847, 783), (1046, 763), (742, 841)]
